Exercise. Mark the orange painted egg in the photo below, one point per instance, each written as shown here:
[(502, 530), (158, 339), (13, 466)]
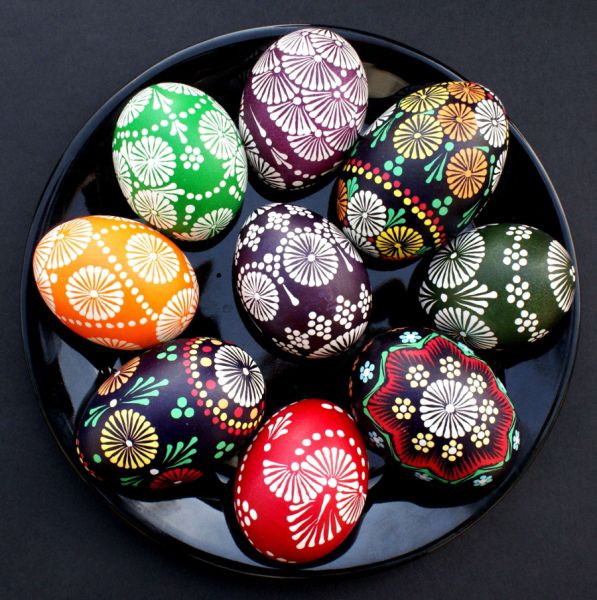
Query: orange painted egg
[(116, 282)]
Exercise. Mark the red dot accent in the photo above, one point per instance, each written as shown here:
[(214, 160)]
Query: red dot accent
[(367, 166), (222, 425), (215, 420), (186, 363), (436, 220), (429, 213), (238, 412), (376, 171), (187, 371), (190, 381), (423, 205), (206, 413), (185, 355), (359, 163), (237, 432), (206, 349), (230, 430), (385, 176), (210, 384), (415, 200), (407, 191), (194, 392), (396, 184)]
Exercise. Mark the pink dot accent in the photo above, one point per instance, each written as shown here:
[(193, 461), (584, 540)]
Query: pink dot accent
[(376, 171), (386, 176), (210, 384), (206, 349)]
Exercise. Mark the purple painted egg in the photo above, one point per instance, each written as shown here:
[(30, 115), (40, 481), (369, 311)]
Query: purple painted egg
[(302, 107), (301, 281)]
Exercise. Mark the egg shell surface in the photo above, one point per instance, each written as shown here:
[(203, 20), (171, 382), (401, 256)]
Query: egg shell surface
[(302, 107), (499, 286), (302, 484), (423, 170), (432, 406), (179, 161), (301, 282), (116, 282), (166, 416)]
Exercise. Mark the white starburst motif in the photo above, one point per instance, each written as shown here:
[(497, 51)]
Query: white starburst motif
[(492, 122), (290, 116), (356, 89), (152, 258), (95, 293), (366, 213), (239, 376), (152, 160), (44, 286), (62, 245), (458, 261), (273, 87), (312, 146), (329, 109), (181, 88), (341, 343), (310, 260), (134, 107), (360, 242), (266, 172), (279, 427), (474, 296), (498, 170), (448, 408), (211, 224), (345, 244), (290, 482), (155, 208), (266, 62), (298, 42), (311, 72), (461, 324), (336, 50), (561, 274), (259, 295), (343, 137), (218, 134), (177, 314), (123, 174)]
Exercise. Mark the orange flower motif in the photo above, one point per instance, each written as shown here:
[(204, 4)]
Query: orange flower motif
[(458, 121), (342, 200), (466, 172), (467, 91), (398, 243), (119, 377)]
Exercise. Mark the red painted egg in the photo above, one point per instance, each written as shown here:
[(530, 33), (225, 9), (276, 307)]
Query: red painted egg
[(301, 486)]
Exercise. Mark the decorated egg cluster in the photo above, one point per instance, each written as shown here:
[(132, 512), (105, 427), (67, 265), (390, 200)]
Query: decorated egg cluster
[(421, 399)]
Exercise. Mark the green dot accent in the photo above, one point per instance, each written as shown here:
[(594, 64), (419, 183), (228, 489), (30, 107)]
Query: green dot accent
[(97, 458), (388, 165), (181, 402), (220, 445), (397, 171), (492, 159), (161, 355), (176, 413), (449, 146), (218, 455), (436, 203), (448, 200), (171, 348), (229, 447), (189, 412), (171, 357), (399, 159), (443, 211)]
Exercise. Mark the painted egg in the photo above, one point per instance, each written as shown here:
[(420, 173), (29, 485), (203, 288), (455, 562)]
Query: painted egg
[(116, 282), (301, 282), (423, 170), (433, 407), (302, 107), (165, 416), (499, 286), (179, 161), (301, 486)]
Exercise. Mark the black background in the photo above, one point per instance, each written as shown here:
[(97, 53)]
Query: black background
[(61, 60)]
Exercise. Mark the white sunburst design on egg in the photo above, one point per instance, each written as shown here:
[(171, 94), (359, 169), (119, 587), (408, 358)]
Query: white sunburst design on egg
[(474, 296), (360, 242), (340, 343), (498, 170), (356, 88), (311, 72), (492, 122), (458, 261), (329, 108), (211, 223), (259, 295), (63, 244), (123, 173), (155, 208), (181, 88), (152, 160), (335, 49), (266, 62), (218, 134), (278, 427), (115, 343), (366, 213), (177, 314), (44, 285), (95, 293), (448, 408), (561, 274), (460, 323), (291, 115), (266, 172), (310, 260), (273, 87), (290, 482), (239, 376), (134, 107), (343, 137), (299, 43), (312, 146), (151, 258)]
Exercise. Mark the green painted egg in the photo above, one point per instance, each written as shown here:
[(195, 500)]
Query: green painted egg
[(179, 161), (499, 286)]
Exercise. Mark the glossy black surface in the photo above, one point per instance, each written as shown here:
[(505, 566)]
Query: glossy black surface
[(401, 521)]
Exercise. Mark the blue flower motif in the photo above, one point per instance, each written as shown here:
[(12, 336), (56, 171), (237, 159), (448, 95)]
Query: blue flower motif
[(366, 372), (423, 476), (483, 480), (410, 337), (376, 439), (516, 440)]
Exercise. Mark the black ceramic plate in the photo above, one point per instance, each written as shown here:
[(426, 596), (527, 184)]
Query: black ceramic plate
[(400, 521)]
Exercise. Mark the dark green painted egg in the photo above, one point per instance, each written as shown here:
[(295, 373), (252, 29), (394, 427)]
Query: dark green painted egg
[(423, 170), (499, 286), (165, 417)]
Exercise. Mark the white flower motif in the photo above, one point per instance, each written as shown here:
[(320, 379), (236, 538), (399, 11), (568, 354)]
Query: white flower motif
[(450, 367), (310, 71), (266, 62), (311, 146), (181, 88), (134, 107), (259, 295), (278, 427), (217, 132), (518, 291), (123, 174), (335, 49), (360, 242), (376, 439), (365, 301), (343, 138), (298, 42), (273, 86), (95, 293), (239, 376), (476, 383), (192, 158), (291, 116), (520, 232), (448, 408), (357, 91), (152, 258), (211, 224), (341, 343), (345, 312), (561, 274), (483, 480), (461, 324), (329, 109), (44, 286), (62, 245), (319, 326), (417, 376), (177, 314), (366, 213), (344, 243), (296, 339), (492, 122), (458, 260), (515, 257), (473, 296), (498, 170), (291, 482), (526, 322), (310, 260), (516, 440), (152, 160), (266, 172), (155, 208)]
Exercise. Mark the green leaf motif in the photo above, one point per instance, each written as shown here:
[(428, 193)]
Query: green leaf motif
[(381, 134), (181, 454), (469, 214), (395, 218), (437, 171), (95, 415), (143, 390), (351, 187), (133, 480)]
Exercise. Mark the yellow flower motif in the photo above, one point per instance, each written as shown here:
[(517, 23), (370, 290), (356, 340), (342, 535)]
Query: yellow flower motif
[(466, 172), (425, 99), (423, 442), (458, 121), (418, 137), (129, 440), (452, 450), (467, 91), (399, 242), (488, 411), (119, 377), (480, 436), (342, 200), (403, 408)]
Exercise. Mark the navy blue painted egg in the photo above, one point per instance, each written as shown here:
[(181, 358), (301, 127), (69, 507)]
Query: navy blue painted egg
[(170, 414)]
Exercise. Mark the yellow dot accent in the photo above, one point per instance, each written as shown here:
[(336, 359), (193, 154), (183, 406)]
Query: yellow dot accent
[(223, 416), (421, 215), (360, 170), (368, 175), (223, 403), (216, 410), (415, 210), (231, 423), (244, 425), (407, 201), (192, 352), (205, 362), (377, 179), (354, 169), (253, 413), (209, 403), (387, 185), (433, 228), (203, 394), (237, 425), (427, 222)]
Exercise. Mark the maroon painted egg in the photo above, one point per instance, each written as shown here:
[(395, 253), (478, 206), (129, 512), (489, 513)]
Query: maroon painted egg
[(302, 107), (166, 416), (432, 406), (301, 281), (301, 486)]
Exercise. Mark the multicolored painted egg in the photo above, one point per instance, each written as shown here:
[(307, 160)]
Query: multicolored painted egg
[(301, 486), (434, 407), (301, 282), (116, 282), (179, 161), (423, 170), (167, 415), (303, 105), (499, 286)]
